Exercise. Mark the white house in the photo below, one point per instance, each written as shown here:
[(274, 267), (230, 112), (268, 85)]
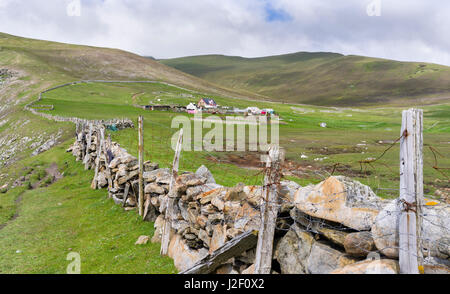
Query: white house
[(254, 110)]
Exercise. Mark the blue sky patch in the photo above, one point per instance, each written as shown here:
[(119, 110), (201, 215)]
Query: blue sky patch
[(273, 14)]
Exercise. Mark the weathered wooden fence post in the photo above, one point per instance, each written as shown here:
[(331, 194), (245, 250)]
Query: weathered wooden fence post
[(107, 169), (165, 238), (100, 138), (411, 190), (269, 213), (83, 142), (88, 147), (141, 164)]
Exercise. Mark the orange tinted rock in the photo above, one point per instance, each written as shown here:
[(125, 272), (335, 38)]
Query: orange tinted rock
[(341, 200)]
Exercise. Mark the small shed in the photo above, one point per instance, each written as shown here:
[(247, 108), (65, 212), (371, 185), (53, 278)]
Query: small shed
[(191, 106)]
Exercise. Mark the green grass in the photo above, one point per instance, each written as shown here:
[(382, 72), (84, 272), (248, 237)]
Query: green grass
[(352, 135), (68, 216), (8, 204), (323, 78)]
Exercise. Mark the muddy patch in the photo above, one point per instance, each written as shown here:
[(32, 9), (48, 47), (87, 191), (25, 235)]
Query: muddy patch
[(292, 168), (52, 175)]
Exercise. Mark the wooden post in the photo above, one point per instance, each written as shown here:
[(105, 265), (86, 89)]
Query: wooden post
[(269, 213), (411, 190), (88, 147), (141, 165), (100, 137), (108, 170), (165, 239), (83, 142)]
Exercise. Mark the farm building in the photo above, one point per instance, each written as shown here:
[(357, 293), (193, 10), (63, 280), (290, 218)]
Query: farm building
[(253, 110), (207, 103), (191, 108)]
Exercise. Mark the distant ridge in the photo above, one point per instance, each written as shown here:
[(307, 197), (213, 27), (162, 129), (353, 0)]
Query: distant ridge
[(324, 78)]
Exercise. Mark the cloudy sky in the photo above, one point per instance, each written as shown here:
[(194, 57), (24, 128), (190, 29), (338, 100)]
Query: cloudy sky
[(412, 30)]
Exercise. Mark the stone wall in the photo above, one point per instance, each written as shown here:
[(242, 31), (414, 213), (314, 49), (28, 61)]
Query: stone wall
[(333, 227)]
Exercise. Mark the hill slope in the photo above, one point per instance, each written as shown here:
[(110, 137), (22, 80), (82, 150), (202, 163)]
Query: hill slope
[(28, 66), (324, 78), (65, 61)]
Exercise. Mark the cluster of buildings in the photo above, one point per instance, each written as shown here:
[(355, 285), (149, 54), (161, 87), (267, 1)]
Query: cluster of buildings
[(210, 106)]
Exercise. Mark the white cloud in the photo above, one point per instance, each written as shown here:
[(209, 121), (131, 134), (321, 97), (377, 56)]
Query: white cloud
[(406, 30)]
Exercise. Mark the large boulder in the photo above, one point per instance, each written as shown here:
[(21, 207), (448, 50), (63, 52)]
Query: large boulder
[(359, 243), (293, 250), (342, 200), (382, 266), (299, 253), (435, 232), (324, 259)]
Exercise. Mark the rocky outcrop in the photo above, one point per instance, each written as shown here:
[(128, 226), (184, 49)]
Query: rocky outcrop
[(324, 259)]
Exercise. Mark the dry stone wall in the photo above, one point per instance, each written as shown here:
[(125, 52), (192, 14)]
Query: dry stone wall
[(332, 227)]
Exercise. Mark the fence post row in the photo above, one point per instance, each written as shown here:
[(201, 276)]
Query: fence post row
[(141, 165), (269, 213), (165, 238), (411, 190)]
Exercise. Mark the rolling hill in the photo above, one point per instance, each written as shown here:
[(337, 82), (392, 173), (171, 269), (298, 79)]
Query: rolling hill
[(28, 66), (327, 79)]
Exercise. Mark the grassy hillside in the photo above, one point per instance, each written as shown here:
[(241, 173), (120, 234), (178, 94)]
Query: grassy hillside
[(324, 78), (35, 65)]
